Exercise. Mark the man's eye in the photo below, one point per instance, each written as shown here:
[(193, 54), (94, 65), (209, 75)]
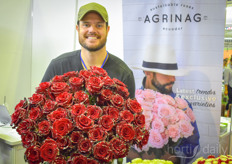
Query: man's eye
[(99, 25), (86, 25)]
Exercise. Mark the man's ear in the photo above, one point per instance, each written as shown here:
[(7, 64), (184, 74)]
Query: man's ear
[(77, 28), (148, 74)]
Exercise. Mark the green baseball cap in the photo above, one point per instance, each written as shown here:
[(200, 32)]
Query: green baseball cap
[(93, 7)]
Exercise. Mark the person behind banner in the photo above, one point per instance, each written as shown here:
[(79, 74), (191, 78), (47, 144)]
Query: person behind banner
[(92, 27), (228, 83), (160, 69)]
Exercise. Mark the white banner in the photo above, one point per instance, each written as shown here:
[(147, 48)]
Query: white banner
[(195, 30)]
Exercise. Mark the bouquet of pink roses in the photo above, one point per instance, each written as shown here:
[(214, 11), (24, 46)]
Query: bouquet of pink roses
[(168, 119), (79, 117)]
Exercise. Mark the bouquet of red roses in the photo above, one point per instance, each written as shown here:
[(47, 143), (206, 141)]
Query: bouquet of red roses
[(79, 117)]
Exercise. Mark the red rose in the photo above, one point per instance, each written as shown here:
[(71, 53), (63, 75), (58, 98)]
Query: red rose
[(133, 106), (44, 127), (33, 154), (140, 120), (64, 99), (119, 147), (21, 104), (97, 134), (123, 91), (127, 116), (43, 87), (118, 82), (62, 127), (98, 71), (105, 96), (37, 99), (76, 136), (49, 106), (59, 87), (102, 151), (117, 101), (84, 123), (125, 131), (63, 142), (19, 115), (108, 82), (92, 161), (144, 140), (76, 83), (106, 122), (70, 74), (94, 85), (79, 159), (57, 78), (77, 110), (49, 150), (35, 113), (25, 126), (60, 160), (57, 114), (93, 112), (112, 111), (85, 74), (29, 139), (85, 146), (81, 97), (139, 134)]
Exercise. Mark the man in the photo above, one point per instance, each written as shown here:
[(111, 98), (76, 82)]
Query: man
[(225, 63), (92, 27), (228, 83), (160, 69)]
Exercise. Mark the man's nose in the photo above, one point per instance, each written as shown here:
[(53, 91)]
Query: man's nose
[(172, 78), (92, 28)]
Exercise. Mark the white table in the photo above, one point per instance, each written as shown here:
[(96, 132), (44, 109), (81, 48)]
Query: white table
[(11, 149)]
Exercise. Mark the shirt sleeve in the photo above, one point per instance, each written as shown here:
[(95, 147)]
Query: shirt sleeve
[(49, 73)]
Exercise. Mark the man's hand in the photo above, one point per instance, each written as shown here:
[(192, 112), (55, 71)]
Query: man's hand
[(171, 157)]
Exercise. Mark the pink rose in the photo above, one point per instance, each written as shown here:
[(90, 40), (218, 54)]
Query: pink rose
[(170, 100), (165, 137), (165, 110), (165, 120), (186, 128), (173, 132), (173, 119), (155, 108), (158, 125), (181, 103), (149, 95), (190, 114), (181, 115), (155, 139)]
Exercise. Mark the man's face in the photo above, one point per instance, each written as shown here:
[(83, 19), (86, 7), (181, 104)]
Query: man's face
[(92, 32), (163, 83)]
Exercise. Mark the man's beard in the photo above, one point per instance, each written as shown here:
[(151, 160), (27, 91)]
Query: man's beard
[(92, 49), (161, 88)]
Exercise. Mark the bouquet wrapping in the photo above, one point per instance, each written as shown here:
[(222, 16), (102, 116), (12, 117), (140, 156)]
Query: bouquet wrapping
[(79, 117), (168, 120)]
